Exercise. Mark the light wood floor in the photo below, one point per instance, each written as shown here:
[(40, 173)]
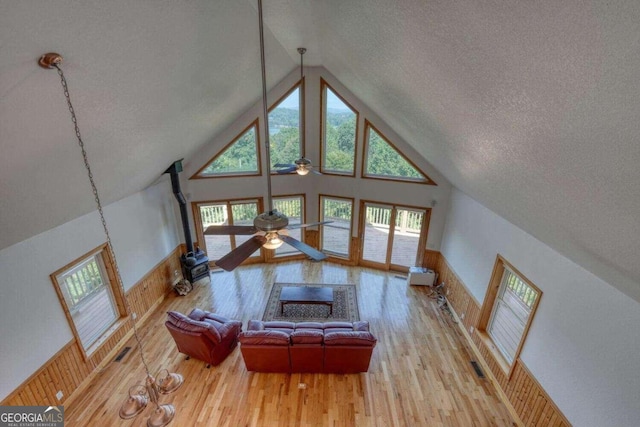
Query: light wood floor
[(419, 375)]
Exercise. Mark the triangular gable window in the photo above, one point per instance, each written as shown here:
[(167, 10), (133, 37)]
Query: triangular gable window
[(339, 130), (239, 157), (384, 161), (285, 127)]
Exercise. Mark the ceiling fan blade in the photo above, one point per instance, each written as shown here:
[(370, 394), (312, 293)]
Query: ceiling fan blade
[(303, 247), (242, 252), (215, 230), (293, 226), (317, 172), (283, 165), (288, 170)]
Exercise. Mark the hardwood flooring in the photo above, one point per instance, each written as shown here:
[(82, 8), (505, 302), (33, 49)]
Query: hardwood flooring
[(420, 372)]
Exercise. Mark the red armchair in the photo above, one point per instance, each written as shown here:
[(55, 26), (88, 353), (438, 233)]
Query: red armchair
[(202, 335)]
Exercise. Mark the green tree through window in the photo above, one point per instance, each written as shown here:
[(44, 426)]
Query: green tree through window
[(240, 157), (383, 160), (339, 134), (284, 129)]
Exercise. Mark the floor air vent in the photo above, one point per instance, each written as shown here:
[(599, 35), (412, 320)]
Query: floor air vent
[(122, 353), (476, 368)]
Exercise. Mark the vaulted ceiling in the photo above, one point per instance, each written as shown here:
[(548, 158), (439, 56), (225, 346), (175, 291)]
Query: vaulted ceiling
[(531, 108)]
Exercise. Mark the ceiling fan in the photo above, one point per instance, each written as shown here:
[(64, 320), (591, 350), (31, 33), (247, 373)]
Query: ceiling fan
[(269, 228), (270, 232), (301, 166)]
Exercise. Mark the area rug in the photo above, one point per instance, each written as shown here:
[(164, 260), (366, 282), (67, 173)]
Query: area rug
[(345, 305)]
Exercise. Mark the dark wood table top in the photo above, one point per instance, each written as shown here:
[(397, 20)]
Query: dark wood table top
[(306, 294)]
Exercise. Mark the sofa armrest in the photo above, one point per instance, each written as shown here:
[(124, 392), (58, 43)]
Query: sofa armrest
[(255, 325), (361, 325), (355, 338), (201, 315)]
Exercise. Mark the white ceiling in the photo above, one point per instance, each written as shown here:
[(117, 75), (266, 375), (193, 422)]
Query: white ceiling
[(531, 108)]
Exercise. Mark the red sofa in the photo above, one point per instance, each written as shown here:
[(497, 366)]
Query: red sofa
[(202, 335), (331, 347)]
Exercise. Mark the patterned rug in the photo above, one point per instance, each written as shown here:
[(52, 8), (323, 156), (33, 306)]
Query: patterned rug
[(345, 305)]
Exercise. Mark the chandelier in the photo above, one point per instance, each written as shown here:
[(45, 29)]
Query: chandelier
[(164, 382)]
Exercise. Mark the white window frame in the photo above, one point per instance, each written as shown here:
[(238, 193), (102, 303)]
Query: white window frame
[(114, 312), (501, 305)]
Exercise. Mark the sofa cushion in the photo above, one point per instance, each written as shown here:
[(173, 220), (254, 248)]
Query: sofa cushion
[(188, 324), (265, 337), (307, 336), (310, 325), (353, 338)]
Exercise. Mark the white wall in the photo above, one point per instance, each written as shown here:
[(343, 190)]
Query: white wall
[(367, 189), (584, 344), (33, 326)]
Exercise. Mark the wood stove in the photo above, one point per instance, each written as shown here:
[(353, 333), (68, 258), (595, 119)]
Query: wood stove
[(195, 263)]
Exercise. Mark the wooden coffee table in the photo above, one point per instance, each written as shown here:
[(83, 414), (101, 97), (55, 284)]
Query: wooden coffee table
[(306, 295)]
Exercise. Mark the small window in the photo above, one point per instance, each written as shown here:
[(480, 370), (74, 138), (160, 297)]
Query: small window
[(339, 128), (285, 127), (508, 310), (335, 238), (239, 157), (384, 161), (92, 299), (293, 208)]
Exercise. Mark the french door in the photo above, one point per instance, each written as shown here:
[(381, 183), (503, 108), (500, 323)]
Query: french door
[(392, 236), (226, 212)]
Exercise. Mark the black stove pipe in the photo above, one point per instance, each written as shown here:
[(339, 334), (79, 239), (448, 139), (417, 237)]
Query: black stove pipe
[(173, 171)]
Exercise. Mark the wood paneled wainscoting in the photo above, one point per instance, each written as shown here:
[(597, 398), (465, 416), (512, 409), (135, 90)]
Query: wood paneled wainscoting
[(69, 371), (526, 399)]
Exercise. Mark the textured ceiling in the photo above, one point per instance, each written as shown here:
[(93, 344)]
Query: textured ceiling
[(531, 108)]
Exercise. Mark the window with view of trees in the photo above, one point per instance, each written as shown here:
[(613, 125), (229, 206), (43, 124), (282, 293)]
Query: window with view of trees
[(92, 299), (293, 208), (285, 127), (240, 157), (508, 310), (383, 160), (335, 238), (339, 125)]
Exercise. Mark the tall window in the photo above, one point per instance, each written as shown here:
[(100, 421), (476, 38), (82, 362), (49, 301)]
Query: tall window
[(293, 208), (285, 127), (93, 301), (240, 157), (508, 310), (335, 238), (339, 128), (229, 212), (383, 160)]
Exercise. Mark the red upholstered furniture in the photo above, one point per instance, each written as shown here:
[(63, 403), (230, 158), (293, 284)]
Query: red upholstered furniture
[(331, 347), (205, 336)]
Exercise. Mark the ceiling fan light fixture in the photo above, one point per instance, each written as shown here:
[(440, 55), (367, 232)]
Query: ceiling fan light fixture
[(302, 171), (273, 241)]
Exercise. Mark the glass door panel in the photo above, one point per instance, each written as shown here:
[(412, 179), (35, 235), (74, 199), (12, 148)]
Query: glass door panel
[(243, 213), (239, 212), (215, 214), (375, 240), (406, 237), (292, 208), (335, 238)]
